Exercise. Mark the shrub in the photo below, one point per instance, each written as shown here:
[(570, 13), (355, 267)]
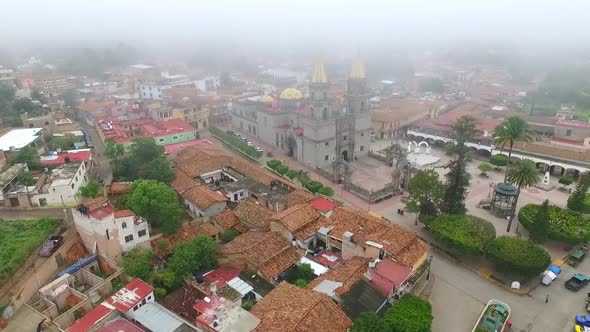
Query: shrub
[(518, 256), (235, 141), (410, 313), (300, 272), (160, 292), (301, 283), (564, 225), (463, 234), (313, 186), (247, 305), (291, 174), (566, 180), (326, 191), (485, 168), (273, 164), (499, 160), (229, 235), (282, 169)]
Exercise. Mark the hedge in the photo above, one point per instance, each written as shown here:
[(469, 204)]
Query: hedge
[(410, 313), (499, 160), (518, 256), (463, 234), (235, 142), (564, 224)]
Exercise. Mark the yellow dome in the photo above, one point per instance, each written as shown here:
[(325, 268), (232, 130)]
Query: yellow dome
[(266, 99), (291, 94)]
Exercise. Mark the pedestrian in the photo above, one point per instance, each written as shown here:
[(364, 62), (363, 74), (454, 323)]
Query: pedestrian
[(547, 298)]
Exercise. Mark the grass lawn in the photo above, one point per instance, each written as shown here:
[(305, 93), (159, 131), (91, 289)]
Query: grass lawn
[(19, 239)]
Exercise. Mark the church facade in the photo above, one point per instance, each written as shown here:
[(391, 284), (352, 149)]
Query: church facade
[(318, 131)]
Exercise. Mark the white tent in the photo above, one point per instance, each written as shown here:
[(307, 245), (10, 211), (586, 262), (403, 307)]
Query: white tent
[(548, 277)]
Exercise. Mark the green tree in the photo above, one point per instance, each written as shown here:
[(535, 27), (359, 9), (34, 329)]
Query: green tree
[(540, 232), (158, 169), (247, 305), (410, 314), (156, 202), (512, 130), (90, 190), (326, 191), (485, 168), (522, 175), (425, 193), (113, 150), (462, 131), (463, 234), (499, 160), (144, 150), (28, 155), (228, 235), (282, 169), (369, 322), (273, 164), (64, 143), (164, 278), (26, 178), (36, 95), (518, 256), (291, 174), (160, 293), (194, 256), (577, 199), (313, 186), (300, 272), (138, 263)]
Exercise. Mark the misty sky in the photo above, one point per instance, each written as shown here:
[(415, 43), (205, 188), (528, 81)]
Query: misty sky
[(278, 23)]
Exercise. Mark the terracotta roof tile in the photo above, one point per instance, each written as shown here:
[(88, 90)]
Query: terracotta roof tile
[(203, 197), (195, 161), (299, 196), (290, 308), (348, 273), (253, 215), (409, 255), (182, 182), (297, 216), (184, 233), (124, 213), (269, 252), (120, 188), (226, 219), (207, 229)]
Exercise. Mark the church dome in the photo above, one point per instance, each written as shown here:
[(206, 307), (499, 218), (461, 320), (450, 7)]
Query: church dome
[(291, 94), (266, 99)]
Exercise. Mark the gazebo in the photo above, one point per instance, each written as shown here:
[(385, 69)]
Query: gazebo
[(504, 199)]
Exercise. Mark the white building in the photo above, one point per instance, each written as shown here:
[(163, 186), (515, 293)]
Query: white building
[(155, 88), (61, 185), (7, 77), (17, 139), (111, 233)]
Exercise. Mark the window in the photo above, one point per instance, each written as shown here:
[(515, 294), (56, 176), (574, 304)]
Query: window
[(123, 225), (143, 302), (47, 123), (108, 235), (135, 308), (344, 138), (326, 144), (72, 186), (128, 238), (175, 138), (326, 157), (76, 179), (362, 134), (362, 148), (141, 233), (149, 297), (161, 140), (181, 135), (568, 132), (241, 194)]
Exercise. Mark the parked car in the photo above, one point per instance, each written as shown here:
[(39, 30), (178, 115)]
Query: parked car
[(258, 149), (51, 245), (230, 132), (250, 143), (577, 282)]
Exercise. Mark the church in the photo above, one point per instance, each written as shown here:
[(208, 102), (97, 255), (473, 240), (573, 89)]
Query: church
[(318, 130)]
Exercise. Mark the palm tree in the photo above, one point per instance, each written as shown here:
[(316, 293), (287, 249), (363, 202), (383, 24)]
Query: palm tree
[(522, 175), (511, 130)]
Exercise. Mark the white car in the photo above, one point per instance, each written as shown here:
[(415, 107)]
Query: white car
[(258, 149), (250, 143)]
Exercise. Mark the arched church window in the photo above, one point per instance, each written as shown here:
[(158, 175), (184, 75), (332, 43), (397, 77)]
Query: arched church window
[(325, 113)]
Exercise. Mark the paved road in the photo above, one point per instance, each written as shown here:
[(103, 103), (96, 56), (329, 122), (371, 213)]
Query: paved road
[(102, 165)]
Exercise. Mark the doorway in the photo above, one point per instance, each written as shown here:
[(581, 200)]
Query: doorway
[(345, 155)]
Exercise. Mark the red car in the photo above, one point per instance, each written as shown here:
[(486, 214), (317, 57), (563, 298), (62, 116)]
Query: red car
[(51, 245)]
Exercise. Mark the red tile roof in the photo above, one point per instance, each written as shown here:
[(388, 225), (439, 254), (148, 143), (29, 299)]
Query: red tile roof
[(253, 216), (296, 217), (290, 308), (120, 187), (113, 127), (226, 219), (573, 123), (101, 212), (73, 155), (202, 143), (120, 325), (94, 316), (182, 182), (299, 196), (222, 275), (348, 273), (203, 197), (388, 274), (323, 204), (124, 213)]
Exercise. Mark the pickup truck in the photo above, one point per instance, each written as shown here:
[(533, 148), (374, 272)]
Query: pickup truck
[(51, 245), (576, 282)]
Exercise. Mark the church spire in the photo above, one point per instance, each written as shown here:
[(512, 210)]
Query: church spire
[(319, 74), (358, 67)]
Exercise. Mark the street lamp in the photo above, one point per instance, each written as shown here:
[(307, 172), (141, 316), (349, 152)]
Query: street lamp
[(509, 218), (417, 213), (430, 258)]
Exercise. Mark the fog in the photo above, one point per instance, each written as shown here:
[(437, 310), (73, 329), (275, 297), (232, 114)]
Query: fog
[(329, 27)]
